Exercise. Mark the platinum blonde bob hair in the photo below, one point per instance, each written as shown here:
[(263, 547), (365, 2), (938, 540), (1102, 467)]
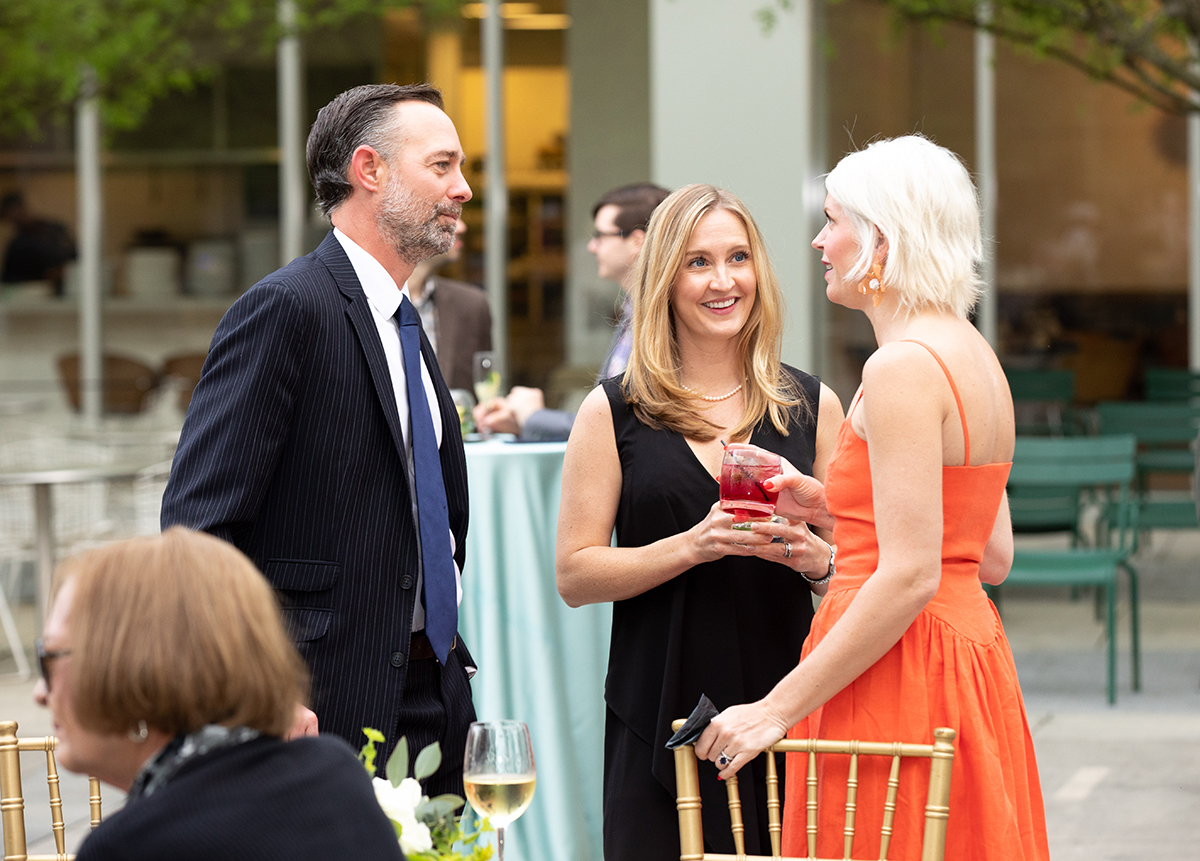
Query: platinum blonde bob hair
[(920, 197)]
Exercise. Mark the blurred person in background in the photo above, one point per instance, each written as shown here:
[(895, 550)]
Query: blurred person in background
[(169, 675), (39, 249), (455, 315), (619, 221)]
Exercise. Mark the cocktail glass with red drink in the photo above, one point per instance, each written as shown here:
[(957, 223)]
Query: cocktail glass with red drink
[(743, 473)]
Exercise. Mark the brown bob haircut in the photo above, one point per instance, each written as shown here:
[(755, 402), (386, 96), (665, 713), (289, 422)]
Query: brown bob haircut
[(178, 630)]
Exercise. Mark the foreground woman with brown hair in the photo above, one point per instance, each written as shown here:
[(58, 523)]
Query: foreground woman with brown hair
[(169, 676)]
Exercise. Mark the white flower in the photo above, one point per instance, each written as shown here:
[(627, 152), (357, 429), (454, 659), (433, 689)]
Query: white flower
[(399, 803)]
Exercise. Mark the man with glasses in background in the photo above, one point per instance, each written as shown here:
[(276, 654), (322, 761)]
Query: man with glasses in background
[(619, 221)]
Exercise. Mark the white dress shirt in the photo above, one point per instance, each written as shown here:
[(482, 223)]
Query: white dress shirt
[(384, 299)]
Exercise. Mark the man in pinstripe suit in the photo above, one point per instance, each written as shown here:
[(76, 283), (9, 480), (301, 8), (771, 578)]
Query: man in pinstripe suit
[(296, 445)]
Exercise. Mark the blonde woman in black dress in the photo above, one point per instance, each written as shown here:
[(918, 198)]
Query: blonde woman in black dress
[(698, 607)]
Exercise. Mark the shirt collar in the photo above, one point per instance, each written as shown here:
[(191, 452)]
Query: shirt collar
[(377, 284)]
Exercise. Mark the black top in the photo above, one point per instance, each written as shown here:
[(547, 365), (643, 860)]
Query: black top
[(730, 629), (260, 801)]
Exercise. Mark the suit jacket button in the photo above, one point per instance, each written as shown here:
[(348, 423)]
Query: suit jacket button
[(397, 659), (406, 582)]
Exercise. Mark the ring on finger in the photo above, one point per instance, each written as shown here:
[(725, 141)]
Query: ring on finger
[(778, 539), (787, 550), (723, 759)]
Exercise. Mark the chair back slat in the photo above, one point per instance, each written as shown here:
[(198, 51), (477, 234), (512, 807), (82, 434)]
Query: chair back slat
[(774, 811), (736, 825), (1042, 399), (1171, 384), (936, 810), (937, 807), (1154, 423), (56, 814), (12, 797), (851, 804), (889, 808), (810, 805), (1050, 478)]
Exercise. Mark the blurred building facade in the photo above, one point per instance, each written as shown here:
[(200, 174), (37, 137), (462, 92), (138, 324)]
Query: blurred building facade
[(1091, 242)]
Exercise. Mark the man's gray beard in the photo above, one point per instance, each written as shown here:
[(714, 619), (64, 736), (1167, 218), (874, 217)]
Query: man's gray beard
[(399, 221)]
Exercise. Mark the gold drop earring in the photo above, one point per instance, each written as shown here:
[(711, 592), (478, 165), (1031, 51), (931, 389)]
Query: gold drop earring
[(873, 283)]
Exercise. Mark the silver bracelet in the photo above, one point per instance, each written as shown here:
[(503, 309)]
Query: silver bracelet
[(828, 574)]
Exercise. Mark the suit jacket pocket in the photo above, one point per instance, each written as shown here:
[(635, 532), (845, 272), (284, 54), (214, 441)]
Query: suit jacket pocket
[(306, 591), (306, 624), (300, 575)]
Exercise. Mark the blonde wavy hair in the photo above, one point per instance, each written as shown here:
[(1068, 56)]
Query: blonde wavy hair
[(651, 383)]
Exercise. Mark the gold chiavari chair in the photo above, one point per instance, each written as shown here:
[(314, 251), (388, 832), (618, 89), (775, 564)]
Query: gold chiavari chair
[(12, 801), (937, 804)]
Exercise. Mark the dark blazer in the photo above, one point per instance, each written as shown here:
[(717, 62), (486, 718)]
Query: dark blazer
[(292, 451), (265, 800), (464, 328)]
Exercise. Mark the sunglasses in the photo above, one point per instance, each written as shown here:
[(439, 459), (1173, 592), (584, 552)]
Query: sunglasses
[(43, 656)]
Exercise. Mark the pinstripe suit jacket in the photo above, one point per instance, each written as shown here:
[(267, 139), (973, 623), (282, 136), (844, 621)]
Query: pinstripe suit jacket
[(292, 451)]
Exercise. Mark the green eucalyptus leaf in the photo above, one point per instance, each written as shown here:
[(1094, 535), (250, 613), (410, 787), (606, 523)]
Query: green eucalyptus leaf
[(428, 761), (456, 801), (397, 764)]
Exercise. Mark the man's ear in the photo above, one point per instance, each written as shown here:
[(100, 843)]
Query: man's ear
[(638, 238), (368, 168)]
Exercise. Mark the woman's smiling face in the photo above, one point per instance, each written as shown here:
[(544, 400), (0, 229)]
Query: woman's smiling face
[(715, 287)]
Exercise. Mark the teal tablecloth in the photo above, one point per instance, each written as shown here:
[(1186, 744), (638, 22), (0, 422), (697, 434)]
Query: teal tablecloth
[(539, 660)]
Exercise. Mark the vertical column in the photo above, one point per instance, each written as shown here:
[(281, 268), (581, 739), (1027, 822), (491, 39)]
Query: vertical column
[(732, 105), (91, 207), (495, 223), (608, 50), (293, 193), (985, 167), (1193, 162)]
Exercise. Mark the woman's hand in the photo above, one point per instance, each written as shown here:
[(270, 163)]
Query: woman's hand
[(714, 537), (793, 544), (801, 497), (740, 733)]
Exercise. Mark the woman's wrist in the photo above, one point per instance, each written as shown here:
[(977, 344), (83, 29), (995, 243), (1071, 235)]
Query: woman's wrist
[(823, 577)]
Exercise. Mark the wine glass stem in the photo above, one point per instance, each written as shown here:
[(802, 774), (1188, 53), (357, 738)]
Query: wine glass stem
[(500, 843)]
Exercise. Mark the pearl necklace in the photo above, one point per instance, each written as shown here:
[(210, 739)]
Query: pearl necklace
[(712, 399)]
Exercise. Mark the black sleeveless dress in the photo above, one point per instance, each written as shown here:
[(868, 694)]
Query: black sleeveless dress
[(730, 629)]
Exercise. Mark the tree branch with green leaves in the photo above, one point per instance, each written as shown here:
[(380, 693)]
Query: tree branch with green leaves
[(1145, 47), (141, 50)]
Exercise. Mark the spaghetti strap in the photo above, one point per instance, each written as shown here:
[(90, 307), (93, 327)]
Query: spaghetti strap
[(957, 400)]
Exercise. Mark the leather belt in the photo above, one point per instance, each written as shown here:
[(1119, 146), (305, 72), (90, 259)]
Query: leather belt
[(419, 647)]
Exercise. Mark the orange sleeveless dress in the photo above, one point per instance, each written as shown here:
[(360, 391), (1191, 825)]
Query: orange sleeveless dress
[(953, 667)]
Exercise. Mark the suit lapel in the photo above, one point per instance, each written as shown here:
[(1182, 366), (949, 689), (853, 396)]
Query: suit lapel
[(358, 309)]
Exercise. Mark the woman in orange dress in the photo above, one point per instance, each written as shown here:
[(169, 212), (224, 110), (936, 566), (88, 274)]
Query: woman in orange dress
[(906, 639)]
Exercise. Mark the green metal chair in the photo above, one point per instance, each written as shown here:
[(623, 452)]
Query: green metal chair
[(1172, 384), (1166, 433), (1055, 479), (1043, 399)]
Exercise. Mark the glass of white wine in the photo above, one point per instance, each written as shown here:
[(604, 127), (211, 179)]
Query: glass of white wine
[(498, 773)]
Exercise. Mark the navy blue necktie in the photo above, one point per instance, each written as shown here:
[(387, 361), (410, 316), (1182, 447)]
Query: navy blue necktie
[(437, 559)]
